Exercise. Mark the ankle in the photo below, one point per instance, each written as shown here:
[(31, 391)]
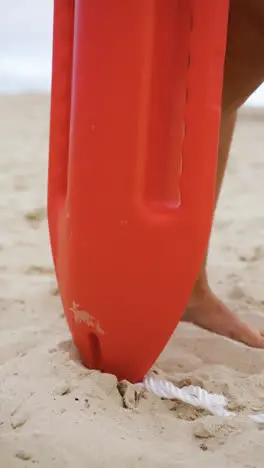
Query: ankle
[(201, 289)]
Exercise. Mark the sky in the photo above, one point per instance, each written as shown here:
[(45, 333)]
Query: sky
[(26, 46)]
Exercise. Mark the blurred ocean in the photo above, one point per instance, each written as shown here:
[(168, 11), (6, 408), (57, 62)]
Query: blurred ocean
[(26, 44)]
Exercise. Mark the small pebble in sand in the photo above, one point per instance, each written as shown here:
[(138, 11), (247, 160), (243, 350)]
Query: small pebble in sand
[(22, 455), (203, 447), (19, 422), (36, 215), (62, 389)]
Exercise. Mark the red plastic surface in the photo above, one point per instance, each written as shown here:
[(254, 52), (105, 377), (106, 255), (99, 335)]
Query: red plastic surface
[(135, 111)]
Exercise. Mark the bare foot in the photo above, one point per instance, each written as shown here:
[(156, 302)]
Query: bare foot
[(207, 311)]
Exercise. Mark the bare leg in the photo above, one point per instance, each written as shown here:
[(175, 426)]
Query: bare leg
[(226, 135), (244, 72)]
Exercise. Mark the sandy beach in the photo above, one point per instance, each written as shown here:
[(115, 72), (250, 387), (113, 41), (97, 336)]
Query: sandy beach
[(56, 414)]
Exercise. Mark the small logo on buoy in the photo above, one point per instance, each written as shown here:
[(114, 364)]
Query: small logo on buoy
[(82, 316)]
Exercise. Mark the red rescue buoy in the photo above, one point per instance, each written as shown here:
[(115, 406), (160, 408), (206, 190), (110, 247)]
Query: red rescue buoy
[(135, 113)]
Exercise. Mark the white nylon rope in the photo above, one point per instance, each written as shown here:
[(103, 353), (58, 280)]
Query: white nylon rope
[(195, 396)]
